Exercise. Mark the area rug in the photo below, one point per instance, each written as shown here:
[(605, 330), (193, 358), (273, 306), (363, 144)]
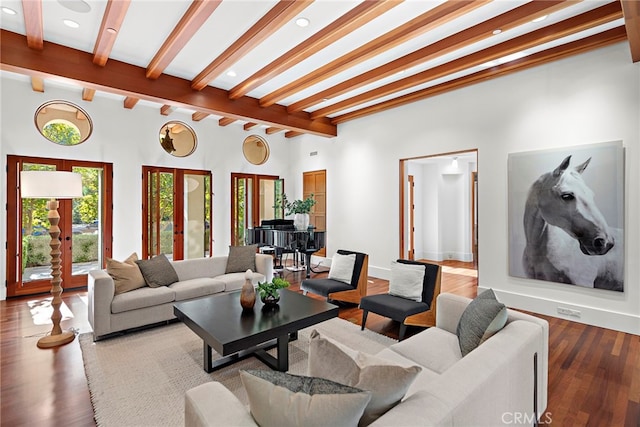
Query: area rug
[(139, 379)]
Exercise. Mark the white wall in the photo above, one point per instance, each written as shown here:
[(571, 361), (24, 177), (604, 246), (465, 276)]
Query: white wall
[(590, 98)]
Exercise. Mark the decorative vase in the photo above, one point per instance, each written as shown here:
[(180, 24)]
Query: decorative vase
[(248, 292), (301, 221), (270, 299)]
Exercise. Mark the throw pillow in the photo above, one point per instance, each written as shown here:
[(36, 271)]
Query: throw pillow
[(342, 267), (406, 280), (241, 259), (483, 317), (157, 271), (387, 382), (281, 399), (126, 274)]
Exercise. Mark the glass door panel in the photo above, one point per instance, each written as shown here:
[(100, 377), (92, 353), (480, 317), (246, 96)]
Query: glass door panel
[(160, 208), (35, 239), (197, 215), (253, 200), (87, 228)]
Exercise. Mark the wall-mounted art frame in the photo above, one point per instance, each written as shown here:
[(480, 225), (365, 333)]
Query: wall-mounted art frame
[(566, 215)]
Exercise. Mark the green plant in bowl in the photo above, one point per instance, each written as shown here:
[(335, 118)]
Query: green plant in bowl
[(269, 290)]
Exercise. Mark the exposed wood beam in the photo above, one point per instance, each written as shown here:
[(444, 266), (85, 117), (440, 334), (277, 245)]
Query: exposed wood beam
[(32, 10), (37, 84), (360, 15), (199, 115), (596, 41), (191, 21), (165, 110), (112, 20), (576, 24), (506, 21), (225, 121), (88, 94), (292, 134), (130, 102), (272, 130), (249, 125), (427, 21), (631, 11), (129, 80), (279, 15)]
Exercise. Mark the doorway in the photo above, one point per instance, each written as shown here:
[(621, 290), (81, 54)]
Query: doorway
[(85, 224), (438, 207), (253, 199)]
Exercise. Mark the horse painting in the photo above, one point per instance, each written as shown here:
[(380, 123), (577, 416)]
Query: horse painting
[(567, 237)]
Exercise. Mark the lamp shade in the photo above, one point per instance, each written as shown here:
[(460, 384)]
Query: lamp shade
[(50, 185)]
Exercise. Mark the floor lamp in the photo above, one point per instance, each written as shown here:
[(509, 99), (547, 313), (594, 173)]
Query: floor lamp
[(53, 185)]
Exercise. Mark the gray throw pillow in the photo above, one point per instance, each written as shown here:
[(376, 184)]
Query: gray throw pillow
[(483, 317), (281, 399), (387, 381), (157, 271), (241, 259)]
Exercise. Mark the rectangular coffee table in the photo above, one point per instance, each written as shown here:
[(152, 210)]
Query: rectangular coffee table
[(235, 334)]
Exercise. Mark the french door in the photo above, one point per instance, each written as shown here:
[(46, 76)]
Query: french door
[(253, 198), (85, 227), (177, 217)]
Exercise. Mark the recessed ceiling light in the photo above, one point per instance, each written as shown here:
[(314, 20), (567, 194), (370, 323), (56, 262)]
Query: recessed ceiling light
[(496, 32), (541, 18), (79, 6), (8, 11), (231, 73), (71, 24), (302, 22)]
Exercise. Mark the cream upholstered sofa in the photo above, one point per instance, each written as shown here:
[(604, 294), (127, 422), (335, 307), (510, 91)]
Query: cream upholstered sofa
[(500, 382), (110, 312)]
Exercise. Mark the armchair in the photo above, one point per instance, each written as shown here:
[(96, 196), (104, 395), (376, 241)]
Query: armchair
[(336, 290), (407, 311)]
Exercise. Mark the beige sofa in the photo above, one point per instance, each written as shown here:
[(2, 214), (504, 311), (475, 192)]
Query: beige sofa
[(498, 383), (109, 313)]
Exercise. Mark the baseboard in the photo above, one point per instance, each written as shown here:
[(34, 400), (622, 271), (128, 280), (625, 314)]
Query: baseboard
[(622, 322)]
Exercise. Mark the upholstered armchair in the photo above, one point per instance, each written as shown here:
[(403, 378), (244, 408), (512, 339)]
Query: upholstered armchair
[(347, 279), (418, 309)]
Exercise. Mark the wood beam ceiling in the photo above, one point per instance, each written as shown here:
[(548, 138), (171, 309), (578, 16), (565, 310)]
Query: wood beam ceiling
[(33, 23), (272, 21), (631, 11), (129, 80), (417, 26), (189, 24), (593, 18), (505, 22), (352, 20), (112, 20), (606, 38)]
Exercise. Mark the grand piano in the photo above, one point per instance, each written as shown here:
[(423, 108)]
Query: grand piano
[(284, 238)]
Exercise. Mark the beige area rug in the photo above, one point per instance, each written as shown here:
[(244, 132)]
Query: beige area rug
[(139, 379)]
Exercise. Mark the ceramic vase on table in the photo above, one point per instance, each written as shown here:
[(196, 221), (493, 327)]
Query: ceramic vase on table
[(248, 292), (301, 221)]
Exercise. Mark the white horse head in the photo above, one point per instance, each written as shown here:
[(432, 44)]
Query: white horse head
[(567, 202)]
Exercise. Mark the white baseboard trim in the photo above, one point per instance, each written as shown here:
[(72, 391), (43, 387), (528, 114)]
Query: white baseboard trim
[(617, 321)]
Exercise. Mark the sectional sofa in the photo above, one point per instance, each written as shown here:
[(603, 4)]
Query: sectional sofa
[(110, 312), (502, 381)]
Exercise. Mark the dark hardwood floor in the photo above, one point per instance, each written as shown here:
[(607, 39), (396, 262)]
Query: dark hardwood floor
[(594, 373)]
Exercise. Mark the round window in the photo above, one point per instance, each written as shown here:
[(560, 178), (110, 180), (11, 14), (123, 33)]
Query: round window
[(63, 123), (178, 139)]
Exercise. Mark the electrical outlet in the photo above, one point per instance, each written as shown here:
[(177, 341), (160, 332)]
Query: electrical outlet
[(569, 312)]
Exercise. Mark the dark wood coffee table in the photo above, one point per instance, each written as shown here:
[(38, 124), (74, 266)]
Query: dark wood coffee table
[(236, 334)]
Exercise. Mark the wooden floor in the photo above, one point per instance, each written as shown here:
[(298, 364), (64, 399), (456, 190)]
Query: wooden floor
[(594, 373)]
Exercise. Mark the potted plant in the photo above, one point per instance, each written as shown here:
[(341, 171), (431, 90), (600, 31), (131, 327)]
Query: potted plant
[(269, 290), (299, 208)]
